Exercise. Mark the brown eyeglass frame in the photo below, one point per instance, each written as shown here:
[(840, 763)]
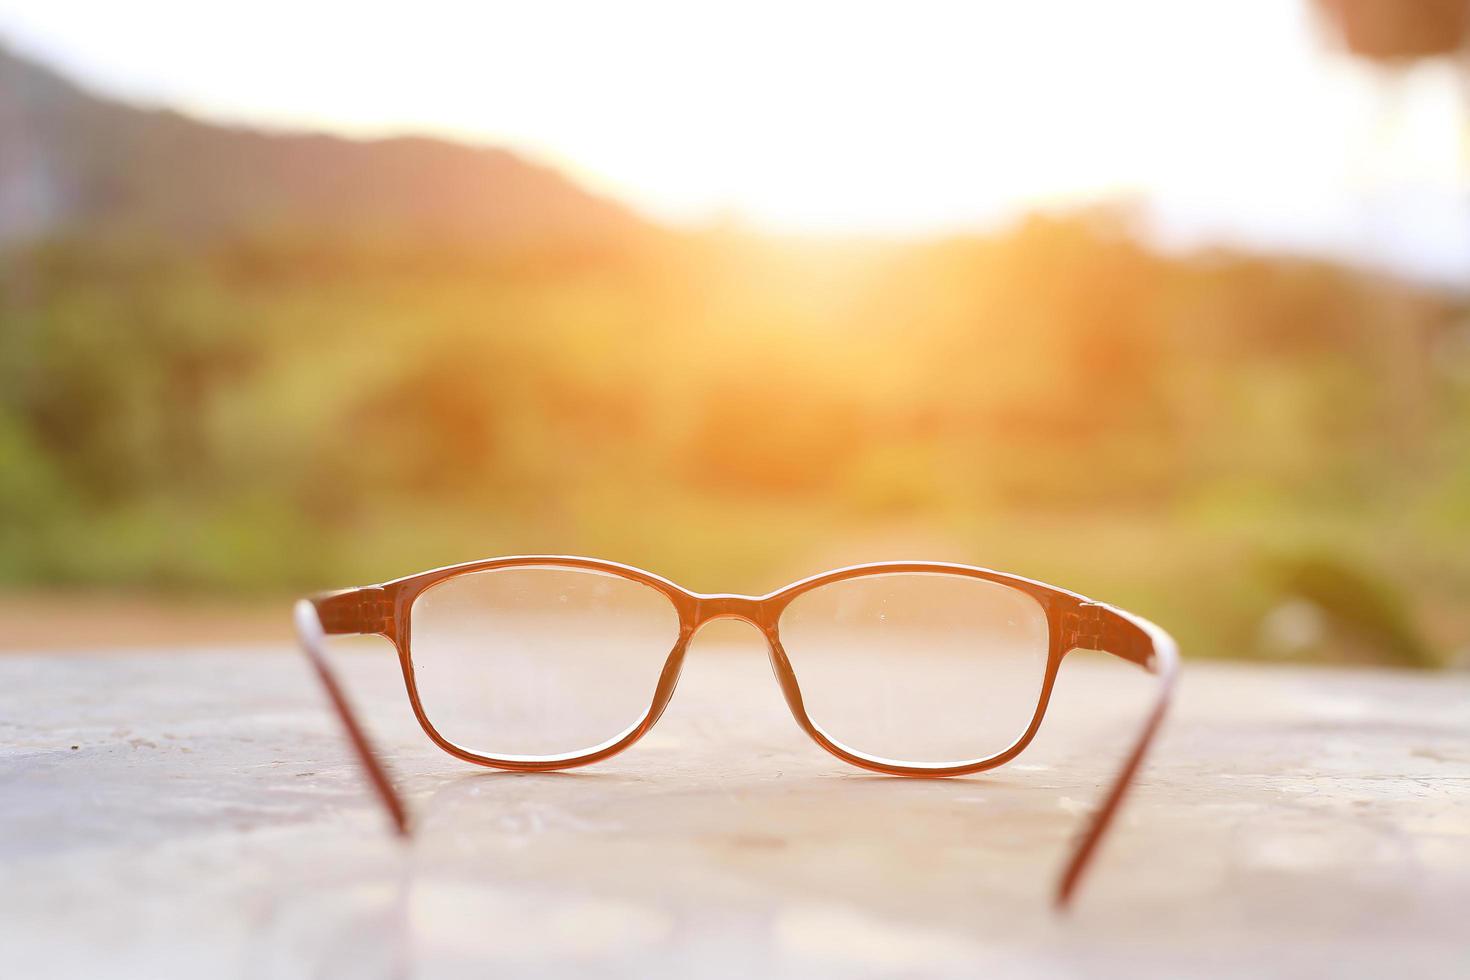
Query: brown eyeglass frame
[(1074, 622)]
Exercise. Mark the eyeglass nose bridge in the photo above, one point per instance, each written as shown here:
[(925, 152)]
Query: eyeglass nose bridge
[(752, 609)]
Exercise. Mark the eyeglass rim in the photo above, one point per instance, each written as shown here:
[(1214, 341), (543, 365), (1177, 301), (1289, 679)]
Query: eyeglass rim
[(395, 600)]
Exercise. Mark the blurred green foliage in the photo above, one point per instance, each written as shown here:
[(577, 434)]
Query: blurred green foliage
[(295, 413), (1360, 612)]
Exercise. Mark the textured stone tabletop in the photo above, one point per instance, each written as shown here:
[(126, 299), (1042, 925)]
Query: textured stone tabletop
[(188, 813)]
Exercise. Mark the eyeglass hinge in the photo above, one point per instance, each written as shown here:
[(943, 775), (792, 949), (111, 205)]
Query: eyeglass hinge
[(357, 611), (1084, 627)]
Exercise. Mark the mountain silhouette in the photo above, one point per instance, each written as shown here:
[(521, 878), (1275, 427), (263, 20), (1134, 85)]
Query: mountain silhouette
[(74, 161)]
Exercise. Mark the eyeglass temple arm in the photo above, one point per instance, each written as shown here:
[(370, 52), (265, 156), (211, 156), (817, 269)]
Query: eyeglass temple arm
[(1139, 641), (348, 612)]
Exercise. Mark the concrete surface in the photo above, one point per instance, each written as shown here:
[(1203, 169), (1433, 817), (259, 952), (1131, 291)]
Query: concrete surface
[(190, 813)]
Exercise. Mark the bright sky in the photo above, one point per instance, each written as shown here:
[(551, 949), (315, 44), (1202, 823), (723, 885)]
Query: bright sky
[(1232, 120)]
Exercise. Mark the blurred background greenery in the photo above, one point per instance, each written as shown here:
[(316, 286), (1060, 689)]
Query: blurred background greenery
[(242, 364)]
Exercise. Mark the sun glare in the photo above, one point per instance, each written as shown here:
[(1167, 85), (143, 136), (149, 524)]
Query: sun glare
[(823, 117)]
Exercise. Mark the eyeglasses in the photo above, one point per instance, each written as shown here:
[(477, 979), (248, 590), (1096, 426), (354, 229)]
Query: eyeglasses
[(537, 663)]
